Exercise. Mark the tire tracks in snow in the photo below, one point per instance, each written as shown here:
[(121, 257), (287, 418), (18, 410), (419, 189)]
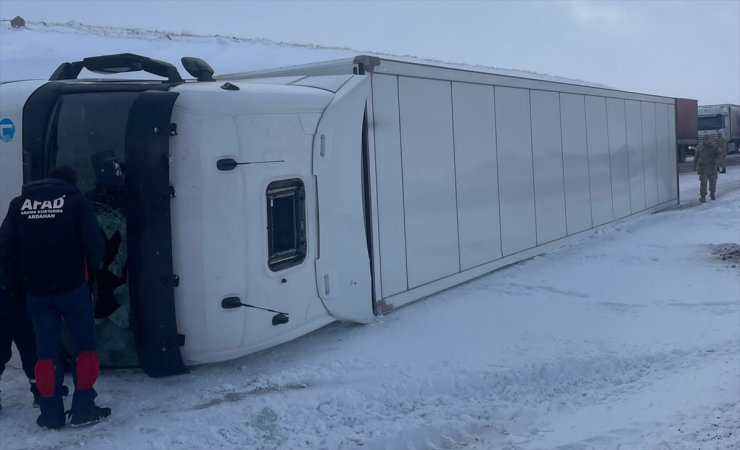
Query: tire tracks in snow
[(478, 406), (494, 406)]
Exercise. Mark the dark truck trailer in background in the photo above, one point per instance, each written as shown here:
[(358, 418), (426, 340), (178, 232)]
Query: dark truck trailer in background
[(687, 120)]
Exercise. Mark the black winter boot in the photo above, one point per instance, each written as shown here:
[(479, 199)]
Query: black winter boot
[(40, 421), (52, 412), (96, 414), (712, 196), (84, 410)]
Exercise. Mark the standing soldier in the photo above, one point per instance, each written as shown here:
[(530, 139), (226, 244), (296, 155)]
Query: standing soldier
[(722, 147), (52, 230), (705, 164)]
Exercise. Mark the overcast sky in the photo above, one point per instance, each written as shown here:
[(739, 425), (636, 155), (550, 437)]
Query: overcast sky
[(673, 48)]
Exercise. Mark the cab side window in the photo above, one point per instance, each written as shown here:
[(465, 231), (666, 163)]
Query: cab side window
[(286, 224)]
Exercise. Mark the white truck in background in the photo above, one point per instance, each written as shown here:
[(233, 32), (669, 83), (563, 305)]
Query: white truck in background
[(723, 119)]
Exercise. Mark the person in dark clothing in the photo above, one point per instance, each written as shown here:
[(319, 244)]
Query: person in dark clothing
[(54, 233), (15, 325)]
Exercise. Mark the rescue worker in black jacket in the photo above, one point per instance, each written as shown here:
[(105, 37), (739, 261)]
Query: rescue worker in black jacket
[(54, 232)]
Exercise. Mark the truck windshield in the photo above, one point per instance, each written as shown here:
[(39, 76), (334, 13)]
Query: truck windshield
[(89, 123), (87, 126), (711, 122)]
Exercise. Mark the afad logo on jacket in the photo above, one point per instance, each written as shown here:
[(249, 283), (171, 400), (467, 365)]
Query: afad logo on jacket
[(42, 210)]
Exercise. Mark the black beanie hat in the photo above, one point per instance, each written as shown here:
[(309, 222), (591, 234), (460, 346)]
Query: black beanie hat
[(64, 173)]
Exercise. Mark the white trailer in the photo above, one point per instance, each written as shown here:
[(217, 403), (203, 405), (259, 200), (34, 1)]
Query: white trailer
[(333, 191)]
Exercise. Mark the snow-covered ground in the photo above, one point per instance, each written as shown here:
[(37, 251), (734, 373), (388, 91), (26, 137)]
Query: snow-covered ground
[(627, 339)]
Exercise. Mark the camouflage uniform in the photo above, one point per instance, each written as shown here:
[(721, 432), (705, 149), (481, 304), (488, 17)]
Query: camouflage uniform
[(722, 146), (705, 163)]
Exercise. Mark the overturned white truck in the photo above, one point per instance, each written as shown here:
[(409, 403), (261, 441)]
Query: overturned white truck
[(331, 191)]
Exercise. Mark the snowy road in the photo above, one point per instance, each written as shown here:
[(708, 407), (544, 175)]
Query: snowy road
[(629, 339)]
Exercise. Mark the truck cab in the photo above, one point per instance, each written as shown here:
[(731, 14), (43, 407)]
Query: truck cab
[(238, 221), (723, 120)]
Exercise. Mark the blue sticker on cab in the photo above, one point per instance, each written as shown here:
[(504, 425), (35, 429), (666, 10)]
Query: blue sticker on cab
[(7, 129)]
